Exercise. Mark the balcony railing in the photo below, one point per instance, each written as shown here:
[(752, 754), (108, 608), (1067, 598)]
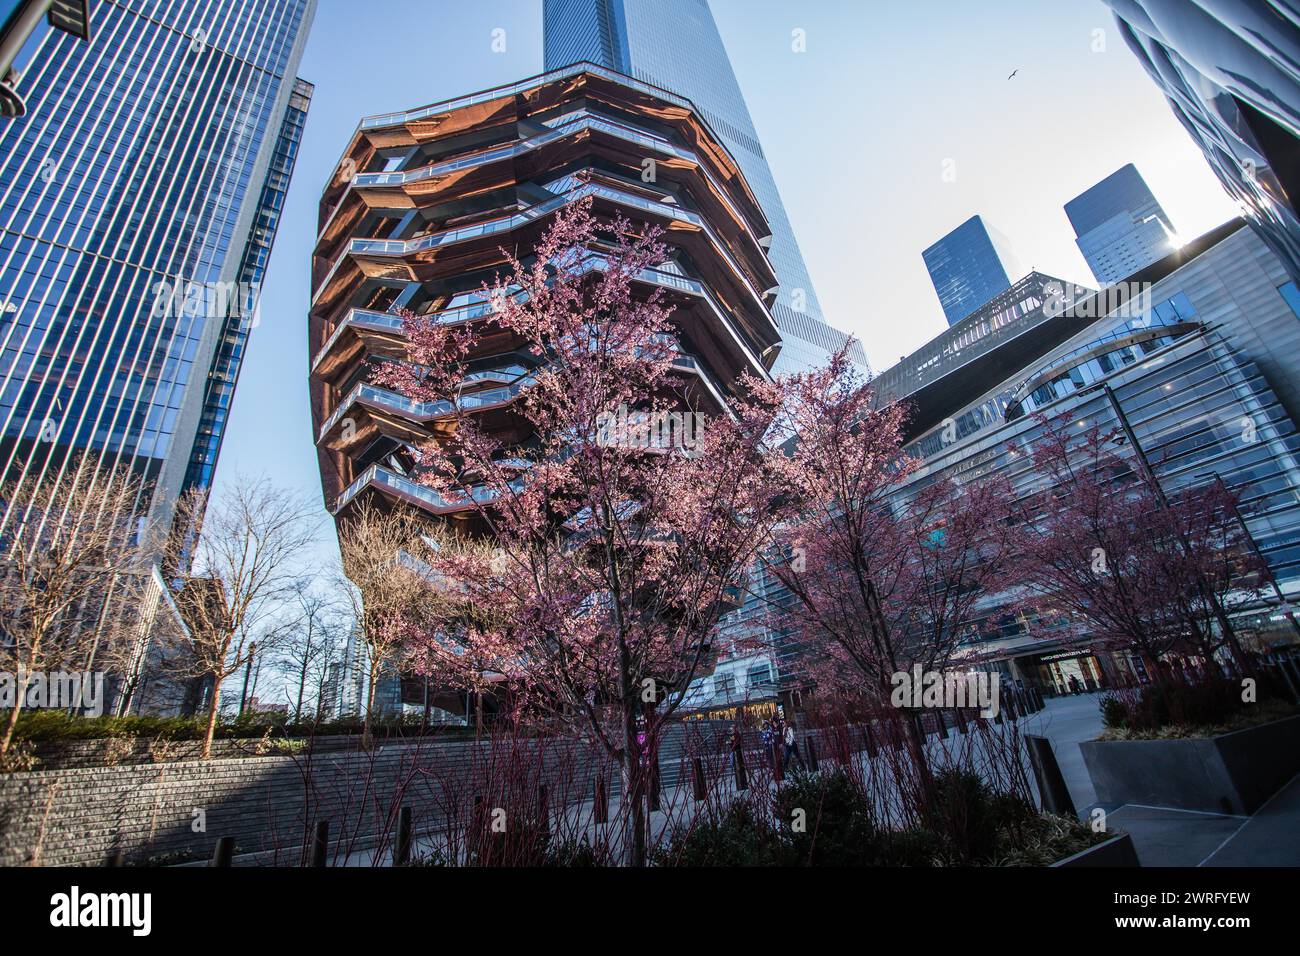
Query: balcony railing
[(387, 322), (404, 247), (540, 140), (522, 86), (422, 412), (379, 476)]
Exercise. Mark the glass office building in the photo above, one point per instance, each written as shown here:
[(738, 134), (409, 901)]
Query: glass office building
[(675, 45), (1119, 226), (968, 267), (1202, 367), (1231, 73), (139, 197)]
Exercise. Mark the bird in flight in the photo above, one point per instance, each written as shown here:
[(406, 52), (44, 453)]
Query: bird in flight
[(1013, 73)]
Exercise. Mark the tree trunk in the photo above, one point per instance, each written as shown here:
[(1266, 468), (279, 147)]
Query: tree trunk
[(634, 791), (214, 707), (12, 721), (424, 720), (302, 688), (373, 679), (20, 694), (916, 739)]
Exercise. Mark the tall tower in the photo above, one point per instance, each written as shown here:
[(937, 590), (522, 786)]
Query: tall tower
[(1119, 226), (675, 45), (139, 197), (970, 266)]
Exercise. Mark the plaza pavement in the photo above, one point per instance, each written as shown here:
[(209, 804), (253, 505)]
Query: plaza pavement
[(1165, 836)]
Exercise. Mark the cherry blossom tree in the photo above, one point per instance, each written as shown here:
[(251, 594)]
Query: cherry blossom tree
[(610, 553), (1123, 563), (883, 577)]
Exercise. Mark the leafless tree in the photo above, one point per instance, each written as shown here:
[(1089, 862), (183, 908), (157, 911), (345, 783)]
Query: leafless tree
[(315, 623), (68, 561), (232, 565), (387, 589)]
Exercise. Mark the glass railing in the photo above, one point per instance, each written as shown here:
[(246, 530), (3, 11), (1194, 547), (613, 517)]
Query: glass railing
[(383, 321), (556, 133), (365, 393), (362, 318), (514, 89), (693, 365), (399, 247), (381, 477)]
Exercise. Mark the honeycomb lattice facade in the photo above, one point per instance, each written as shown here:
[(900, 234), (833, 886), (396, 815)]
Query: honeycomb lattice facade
[(421, 206)]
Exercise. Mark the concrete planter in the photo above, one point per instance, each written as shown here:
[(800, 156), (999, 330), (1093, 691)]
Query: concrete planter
[(1232, 773), (1117, 851)]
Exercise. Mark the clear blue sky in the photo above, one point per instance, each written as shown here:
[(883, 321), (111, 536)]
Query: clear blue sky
[(857, 130)]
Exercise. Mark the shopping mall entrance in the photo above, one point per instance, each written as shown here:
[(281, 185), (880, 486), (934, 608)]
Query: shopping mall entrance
[(1065, 672)]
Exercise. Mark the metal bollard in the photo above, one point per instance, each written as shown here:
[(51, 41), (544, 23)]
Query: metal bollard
[(1053, 793), (742, 778), (697, 770), (812, 753), (601, 800), (224, 852), (321, 843), (962, 727), (652, 782), (943, 725), (870, 740), (402, 848)]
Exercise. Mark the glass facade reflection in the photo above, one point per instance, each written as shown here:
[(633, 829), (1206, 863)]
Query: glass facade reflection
[(1205, 384), (1231, 73), (968, 267), (1119, 226), (675, 45), (138, 201)]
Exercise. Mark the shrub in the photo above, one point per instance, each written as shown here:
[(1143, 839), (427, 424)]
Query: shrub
[(44, 726), (59, 725), (973, 818), (838, 828), (1114, 712), (577, 853), (1204, 703), (914, 847), (737, 836)]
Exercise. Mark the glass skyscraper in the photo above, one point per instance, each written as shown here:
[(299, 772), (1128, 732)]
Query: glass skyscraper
[(675, 45), (1119, 226), (139, 198), (968, 267)]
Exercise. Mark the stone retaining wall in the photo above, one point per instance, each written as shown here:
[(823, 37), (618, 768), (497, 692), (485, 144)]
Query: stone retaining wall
[(177, 810)]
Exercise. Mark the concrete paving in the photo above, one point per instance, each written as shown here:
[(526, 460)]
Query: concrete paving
[(1167, 836), (1269, 838)]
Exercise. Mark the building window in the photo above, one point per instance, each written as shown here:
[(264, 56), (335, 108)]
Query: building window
[(1292, 296)]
